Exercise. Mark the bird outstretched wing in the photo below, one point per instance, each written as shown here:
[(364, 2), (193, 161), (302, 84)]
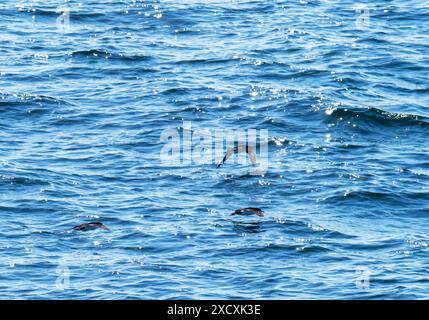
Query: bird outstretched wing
[(241, 148)]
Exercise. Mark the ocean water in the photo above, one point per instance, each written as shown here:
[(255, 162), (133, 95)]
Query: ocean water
[(87, 89)]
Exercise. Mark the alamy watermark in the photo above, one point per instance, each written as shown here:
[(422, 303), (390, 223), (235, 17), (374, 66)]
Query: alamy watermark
[(363, 17), (63, 11), (188, 146), (363, 278), (63, 20), (63, 277)]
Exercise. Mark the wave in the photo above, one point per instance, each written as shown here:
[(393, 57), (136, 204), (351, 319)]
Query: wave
[(18, 106), (221, 61), (385, 197), (23, 181), (18, 98), (105, 54), (376, 116)]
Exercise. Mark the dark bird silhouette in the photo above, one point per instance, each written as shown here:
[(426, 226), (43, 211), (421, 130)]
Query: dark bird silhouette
[(240, 148), (90, 226), (248, 211)]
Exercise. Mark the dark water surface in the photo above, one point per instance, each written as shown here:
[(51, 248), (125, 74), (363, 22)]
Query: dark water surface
[(82, 109)]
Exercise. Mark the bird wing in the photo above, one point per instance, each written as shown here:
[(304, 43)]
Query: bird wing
[(228, 153), (252, 155), (260, 213)]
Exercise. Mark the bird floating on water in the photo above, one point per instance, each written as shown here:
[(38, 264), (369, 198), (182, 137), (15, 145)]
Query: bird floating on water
[(90, 226), (249, 211), (240, 148)]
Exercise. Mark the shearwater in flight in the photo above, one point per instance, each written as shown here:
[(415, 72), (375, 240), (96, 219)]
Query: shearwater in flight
[(240, 148)]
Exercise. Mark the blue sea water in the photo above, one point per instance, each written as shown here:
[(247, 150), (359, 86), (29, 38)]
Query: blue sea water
[(341, 86)]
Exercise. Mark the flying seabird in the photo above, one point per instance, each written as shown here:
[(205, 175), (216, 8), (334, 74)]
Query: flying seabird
[(90, 226), (240, 148), (249, 211)]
